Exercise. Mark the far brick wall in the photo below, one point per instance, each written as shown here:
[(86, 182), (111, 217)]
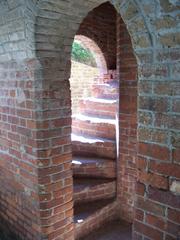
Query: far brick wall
[(47, 105), (82, 78)]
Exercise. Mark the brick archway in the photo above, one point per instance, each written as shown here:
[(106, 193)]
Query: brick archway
[(93, 47), (144, 41), (35, 109), (64, 120)]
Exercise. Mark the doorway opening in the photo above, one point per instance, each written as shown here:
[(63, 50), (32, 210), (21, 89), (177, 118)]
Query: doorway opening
[(95, 126)]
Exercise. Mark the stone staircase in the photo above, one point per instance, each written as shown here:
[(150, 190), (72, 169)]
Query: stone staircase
[(94, 157)]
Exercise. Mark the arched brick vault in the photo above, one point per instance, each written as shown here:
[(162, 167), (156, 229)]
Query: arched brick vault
[(100, 26), (93, 47), (39, 67)]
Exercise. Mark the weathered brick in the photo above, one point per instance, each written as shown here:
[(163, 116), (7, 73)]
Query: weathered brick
[(150, 72), (153, 180), (174, 215), (170, 39), (145, 118), (145, 87), (167, 6), (149, 206), (139, 215), (140, 189), (167, 169), (173, 228), (165, 22), (129, 11), (154, 151), (165, 56), (170, 237), (148, 231), (142, 163), (152, 104), (176, 105), (142, 41), (162, 88), (153, 135), (155, 221), (164, 197), (164, 120), (175, 155)]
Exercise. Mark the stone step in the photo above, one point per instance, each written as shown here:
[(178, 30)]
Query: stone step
[(88, 189), (94, 167), (106, 91), (94, 126), (109, 77), (114, 230), (93, 147), (89, 217), (98, 107)]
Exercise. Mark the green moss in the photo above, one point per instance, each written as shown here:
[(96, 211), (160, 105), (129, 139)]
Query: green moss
[(82, 55)]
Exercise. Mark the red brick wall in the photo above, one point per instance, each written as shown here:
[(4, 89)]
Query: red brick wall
[(19, 203), (148, 167), (53, 139), (26, 146), (157, 195), (100, 26), (127, 74), (82, 78), (35, 173)]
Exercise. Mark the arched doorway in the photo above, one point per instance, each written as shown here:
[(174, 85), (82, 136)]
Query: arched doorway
[(94, 128), (95, 49), (36, 164), (105, 37), (125, 174)]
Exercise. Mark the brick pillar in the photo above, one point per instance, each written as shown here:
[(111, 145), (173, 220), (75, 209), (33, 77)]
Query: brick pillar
[(35, 150), (54, 157), (157, 194), (127, 71), (19, 199)]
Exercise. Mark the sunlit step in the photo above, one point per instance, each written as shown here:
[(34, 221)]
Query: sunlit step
[(93, 147), (89, 217), (94, 167)]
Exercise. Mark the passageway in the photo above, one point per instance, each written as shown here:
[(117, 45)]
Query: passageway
[(94, 145), (103, 147), (131, 173)]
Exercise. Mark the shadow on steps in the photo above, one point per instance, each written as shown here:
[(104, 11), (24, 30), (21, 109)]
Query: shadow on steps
[(114, 230), (6, 233)]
